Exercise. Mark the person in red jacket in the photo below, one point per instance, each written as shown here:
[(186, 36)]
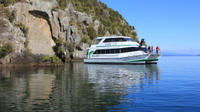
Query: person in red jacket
[(157, 49)]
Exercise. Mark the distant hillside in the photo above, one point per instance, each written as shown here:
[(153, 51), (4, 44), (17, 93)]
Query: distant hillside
[(180, 52), (54, 30)]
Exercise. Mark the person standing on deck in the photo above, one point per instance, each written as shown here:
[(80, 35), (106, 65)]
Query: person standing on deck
[(142, 42), (157, 49), (149, 49)]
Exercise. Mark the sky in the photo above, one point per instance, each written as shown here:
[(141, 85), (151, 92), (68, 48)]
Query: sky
[(170, 24)]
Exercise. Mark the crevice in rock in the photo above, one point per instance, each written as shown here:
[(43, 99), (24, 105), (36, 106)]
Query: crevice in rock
[(60, 24), (40, 14), (71, 32)]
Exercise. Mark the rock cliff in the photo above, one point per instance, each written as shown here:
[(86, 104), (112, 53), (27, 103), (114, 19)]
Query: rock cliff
[(34, 31)]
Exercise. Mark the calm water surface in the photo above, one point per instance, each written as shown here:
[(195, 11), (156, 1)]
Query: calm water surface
[(171, 86)]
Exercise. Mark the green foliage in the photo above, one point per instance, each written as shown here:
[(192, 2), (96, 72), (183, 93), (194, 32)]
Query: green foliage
[(23, 28), (26, 43), (106, 21), (46, 58), (86, 39), (4, 12), (52, 59), (55, 59), (55, 8), (101, 31), (11, 16), (58, 49), (5, 49), (87, 6), (110, 20), (28, 51), (62, 3), (73, 23), (70, 46), (58, 41), (9, 2), (2, 22), (91, 33)]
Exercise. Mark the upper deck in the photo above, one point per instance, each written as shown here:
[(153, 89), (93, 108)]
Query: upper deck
[(113, 42), (113, 37)]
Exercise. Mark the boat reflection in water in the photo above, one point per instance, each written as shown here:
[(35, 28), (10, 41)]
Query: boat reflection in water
[(120, 77), (75, 87)]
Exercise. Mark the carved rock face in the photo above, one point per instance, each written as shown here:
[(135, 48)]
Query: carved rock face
[(39, 37)]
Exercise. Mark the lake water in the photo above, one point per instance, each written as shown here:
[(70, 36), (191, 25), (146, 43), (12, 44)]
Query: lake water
[(171, 86)]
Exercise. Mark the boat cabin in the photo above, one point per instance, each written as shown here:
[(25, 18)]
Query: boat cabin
[(112, 39)]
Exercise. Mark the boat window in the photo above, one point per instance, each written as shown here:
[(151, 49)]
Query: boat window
[(121, 50), (103, 51), (117, 51), (129, 39), (118, 40), (108, 51), (108, 40), (96, 41)]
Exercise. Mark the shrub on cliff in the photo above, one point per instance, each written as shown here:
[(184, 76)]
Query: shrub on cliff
[(23, 28), (11, 16), (86, 39), (5, 49), (2, 23), (52, 59), (58, 48), (70, 46), (101, 31), (8, 2), (91, 33), (62, 3), (4, 12)]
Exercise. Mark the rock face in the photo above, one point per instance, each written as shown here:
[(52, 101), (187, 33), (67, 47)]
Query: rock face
[(39, 36), (41, 28)]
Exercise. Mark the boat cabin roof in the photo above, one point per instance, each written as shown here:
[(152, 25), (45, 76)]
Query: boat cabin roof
[(112, 37)]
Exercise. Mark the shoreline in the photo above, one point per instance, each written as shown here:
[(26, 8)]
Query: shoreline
[(39, 64), (32, 65)]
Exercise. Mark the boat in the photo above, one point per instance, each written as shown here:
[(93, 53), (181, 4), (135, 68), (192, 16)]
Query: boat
[(119, 50)]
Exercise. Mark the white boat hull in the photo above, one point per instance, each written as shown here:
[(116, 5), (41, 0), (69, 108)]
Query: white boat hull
[(139, 59), (153, 59)]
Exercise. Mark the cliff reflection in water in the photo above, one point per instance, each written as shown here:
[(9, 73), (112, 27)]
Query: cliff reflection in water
[(75, 87)]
